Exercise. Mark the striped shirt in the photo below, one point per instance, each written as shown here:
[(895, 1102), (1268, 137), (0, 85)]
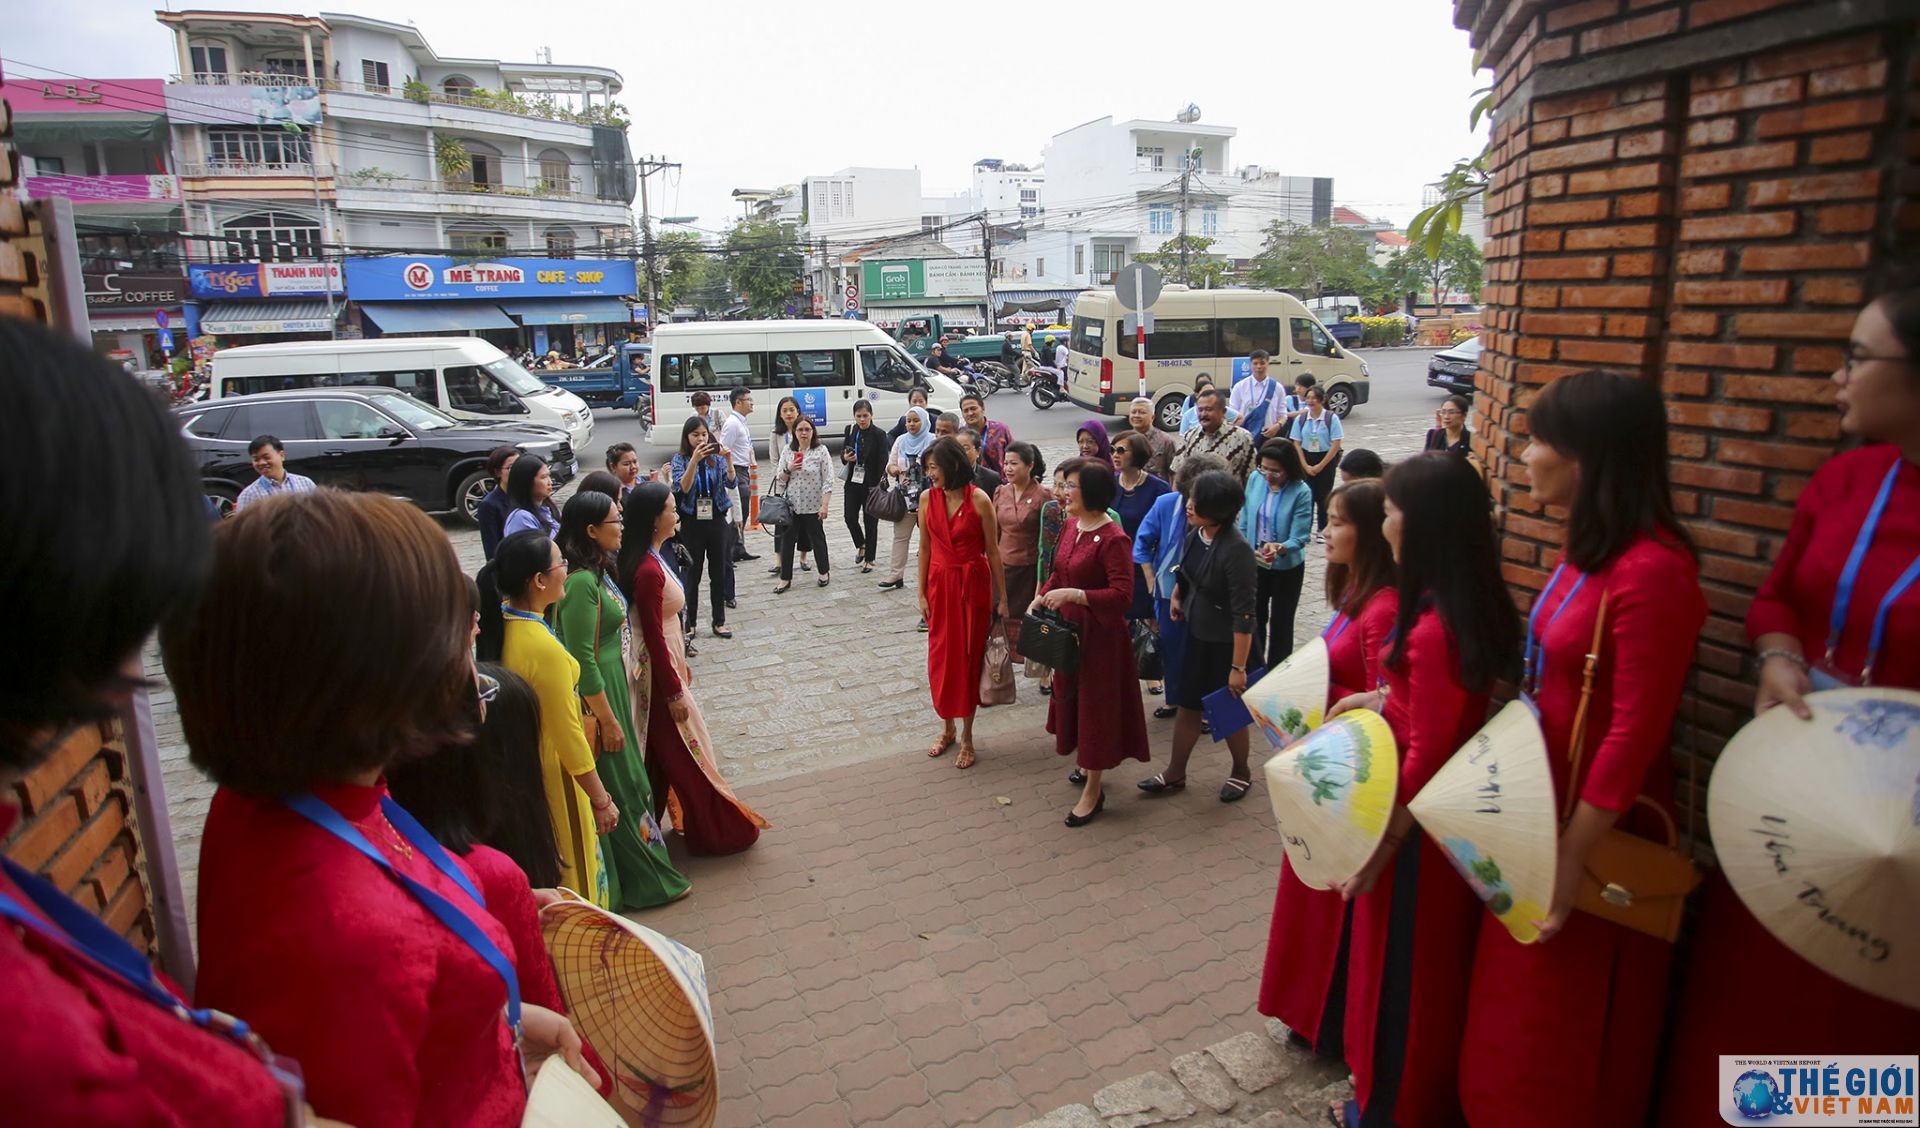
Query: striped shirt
[(264, 487)]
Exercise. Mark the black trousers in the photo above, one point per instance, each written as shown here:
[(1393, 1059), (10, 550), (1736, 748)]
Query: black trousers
[(1276, 600), (862, 526), (707, 545), (804, 532), (1320, 485)]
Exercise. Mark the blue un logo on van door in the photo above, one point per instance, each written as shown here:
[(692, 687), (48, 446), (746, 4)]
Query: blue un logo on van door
[(812, 403)]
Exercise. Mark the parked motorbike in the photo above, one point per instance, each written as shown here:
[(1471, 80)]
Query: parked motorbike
[(1044, 388)]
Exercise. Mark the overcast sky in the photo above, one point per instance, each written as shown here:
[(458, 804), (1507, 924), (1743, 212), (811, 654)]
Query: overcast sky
[(749, 94)]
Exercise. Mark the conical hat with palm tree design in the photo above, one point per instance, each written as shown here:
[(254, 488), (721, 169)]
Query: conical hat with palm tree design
[(1290, 700), (1332, 794), (1490, 810)]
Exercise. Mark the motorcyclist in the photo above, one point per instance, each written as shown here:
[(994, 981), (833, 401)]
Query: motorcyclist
[(940, 361)]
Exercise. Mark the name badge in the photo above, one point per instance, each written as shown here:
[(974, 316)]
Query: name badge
[(858, 476), (703, 509)]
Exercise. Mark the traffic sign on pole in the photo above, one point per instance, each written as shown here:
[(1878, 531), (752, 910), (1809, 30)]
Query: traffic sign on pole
[(160, 318), (1130, 322), (1137, 285)]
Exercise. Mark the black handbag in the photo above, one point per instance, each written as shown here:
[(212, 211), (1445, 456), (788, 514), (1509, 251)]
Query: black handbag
[(1146, 651), (1048, 638), (776, 512), (886, 502)]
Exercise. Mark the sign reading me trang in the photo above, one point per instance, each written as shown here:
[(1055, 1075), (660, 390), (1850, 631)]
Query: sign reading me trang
[(437, 278)]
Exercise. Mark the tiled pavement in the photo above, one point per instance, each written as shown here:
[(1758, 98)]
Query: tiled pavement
[(911, 944)]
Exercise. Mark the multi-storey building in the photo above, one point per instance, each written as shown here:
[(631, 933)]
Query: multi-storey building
[(315, 139), (101, 144)]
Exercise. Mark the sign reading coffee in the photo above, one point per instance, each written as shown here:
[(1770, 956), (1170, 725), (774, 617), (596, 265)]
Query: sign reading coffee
[(134, 291)]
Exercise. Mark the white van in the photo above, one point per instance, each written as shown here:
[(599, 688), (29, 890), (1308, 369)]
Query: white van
[(824, 365), (1202, 331), (463, 376)]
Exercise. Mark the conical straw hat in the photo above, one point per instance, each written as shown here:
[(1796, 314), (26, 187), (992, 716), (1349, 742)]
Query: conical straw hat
[(1332, 793), (641, 1000), (1290, 700), (1817, 825), (1491, 810), (562, 1098)]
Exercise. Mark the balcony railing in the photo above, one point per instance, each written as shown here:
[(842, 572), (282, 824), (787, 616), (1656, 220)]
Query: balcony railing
[(540, 189), (302, 169), (244, 78), (501, 101)]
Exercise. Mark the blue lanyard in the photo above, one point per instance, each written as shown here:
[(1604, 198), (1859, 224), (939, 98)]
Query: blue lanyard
[(516, 613), (1528, 675), (1850, 575), (1338, 627), (81, 934), (312, 808)]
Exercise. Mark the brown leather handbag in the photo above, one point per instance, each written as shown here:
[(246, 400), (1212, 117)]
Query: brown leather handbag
[(997, 686), (1632, 881)]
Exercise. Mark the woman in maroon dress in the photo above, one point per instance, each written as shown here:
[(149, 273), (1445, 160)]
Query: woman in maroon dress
[(1598, 452), (1096, 710), (962, 589), (1792, 624), (328, 916), (1454, 634), (1304, 983), (86, 1040)]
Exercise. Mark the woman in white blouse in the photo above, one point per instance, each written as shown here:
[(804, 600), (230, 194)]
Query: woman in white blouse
[(806, 478)]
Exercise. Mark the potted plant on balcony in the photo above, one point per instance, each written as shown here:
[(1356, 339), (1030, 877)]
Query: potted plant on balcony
[(416, 91), (453, 160)]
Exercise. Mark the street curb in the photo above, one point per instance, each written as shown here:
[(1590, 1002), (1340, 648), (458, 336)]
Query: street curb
[(1254, 1079)]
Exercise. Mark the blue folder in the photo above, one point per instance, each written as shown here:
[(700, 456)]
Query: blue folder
[(1225, 713)]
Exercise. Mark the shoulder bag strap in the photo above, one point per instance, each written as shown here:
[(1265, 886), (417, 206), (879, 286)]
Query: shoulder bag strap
[(1576, 745)]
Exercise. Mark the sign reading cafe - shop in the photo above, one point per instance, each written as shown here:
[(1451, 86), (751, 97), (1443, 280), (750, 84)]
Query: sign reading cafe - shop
[(439, 278)]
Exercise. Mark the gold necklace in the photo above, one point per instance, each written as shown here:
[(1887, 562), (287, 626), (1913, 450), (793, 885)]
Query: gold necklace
[(399, 840)]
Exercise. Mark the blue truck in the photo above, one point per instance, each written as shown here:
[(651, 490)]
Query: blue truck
[(621, 377)]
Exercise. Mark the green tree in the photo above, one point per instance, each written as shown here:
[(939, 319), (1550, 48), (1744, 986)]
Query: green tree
[(1318, 259), (1464, 181), (1205, 271), (1456, 265), (691, 274), (763, 259)]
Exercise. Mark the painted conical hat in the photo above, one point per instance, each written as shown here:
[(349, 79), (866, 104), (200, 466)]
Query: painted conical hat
[(641, 1000), (1491, 810), (561, 1098), (1290, 700), (1817, 825), (1332, 793)]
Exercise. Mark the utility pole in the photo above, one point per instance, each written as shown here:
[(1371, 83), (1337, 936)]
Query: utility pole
[(986, 252), (1186, 173), (646, 166)]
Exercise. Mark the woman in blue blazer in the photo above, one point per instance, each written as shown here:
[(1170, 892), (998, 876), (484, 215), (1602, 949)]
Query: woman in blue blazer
[(1277, 521)]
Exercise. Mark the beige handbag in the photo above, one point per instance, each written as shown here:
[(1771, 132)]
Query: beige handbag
[(996, 671)]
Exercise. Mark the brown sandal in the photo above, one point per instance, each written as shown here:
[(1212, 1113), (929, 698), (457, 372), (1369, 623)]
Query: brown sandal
[(966, 757), (940, 746)]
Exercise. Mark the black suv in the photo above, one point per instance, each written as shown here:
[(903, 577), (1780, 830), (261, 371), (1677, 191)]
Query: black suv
[(355, 439)]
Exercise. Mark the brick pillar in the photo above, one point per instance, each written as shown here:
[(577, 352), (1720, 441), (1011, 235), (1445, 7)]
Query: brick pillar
[(1704, 193), (76, 827)]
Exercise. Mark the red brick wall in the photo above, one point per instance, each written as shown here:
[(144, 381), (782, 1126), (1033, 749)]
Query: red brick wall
[(75, 827), (1713, 223)]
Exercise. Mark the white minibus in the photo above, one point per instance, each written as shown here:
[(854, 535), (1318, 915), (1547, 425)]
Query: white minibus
[(463, 376), (824, 365), (1195, 332)]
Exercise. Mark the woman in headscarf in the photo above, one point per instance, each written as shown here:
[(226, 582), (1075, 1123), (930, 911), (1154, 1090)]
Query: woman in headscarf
[(1093, 441), (904, 465)]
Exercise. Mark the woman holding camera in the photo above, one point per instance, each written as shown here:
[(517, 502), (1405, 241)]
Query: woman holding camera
[(703, 481)]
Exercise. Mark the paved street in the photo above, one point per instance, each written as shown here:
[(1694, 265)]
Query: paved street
[(911, 944)]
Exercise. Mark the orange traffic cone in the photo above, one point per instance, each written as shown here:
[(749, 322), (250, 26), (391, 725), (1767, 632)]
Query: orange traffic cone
[(753, 518)]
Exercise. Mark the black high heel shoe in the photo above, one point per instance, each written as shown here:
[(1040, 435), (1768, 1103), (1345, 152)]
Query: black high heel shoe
[(1074, 820)]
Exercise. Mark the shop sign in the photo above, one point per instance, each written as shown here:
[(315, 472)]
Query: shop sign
[(132, 291), (229, 281), (923, 278), (438, 278)]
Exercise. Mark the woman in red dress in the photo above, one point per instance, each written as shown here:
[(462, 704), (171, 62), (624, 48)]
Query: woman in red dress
[(328, 916), (962, 589), (1802, 648), (1410, 945), (1304, 983), (681, 766), (1598, 452), (1096, 710), (95, 1038)]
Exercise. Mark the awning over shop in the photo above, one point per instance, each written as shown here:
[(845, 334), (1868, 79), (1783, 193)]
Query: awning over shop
[(567, 311), (129, 322), (435, 317), (86, 128), (955, 317), (233, 318)]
